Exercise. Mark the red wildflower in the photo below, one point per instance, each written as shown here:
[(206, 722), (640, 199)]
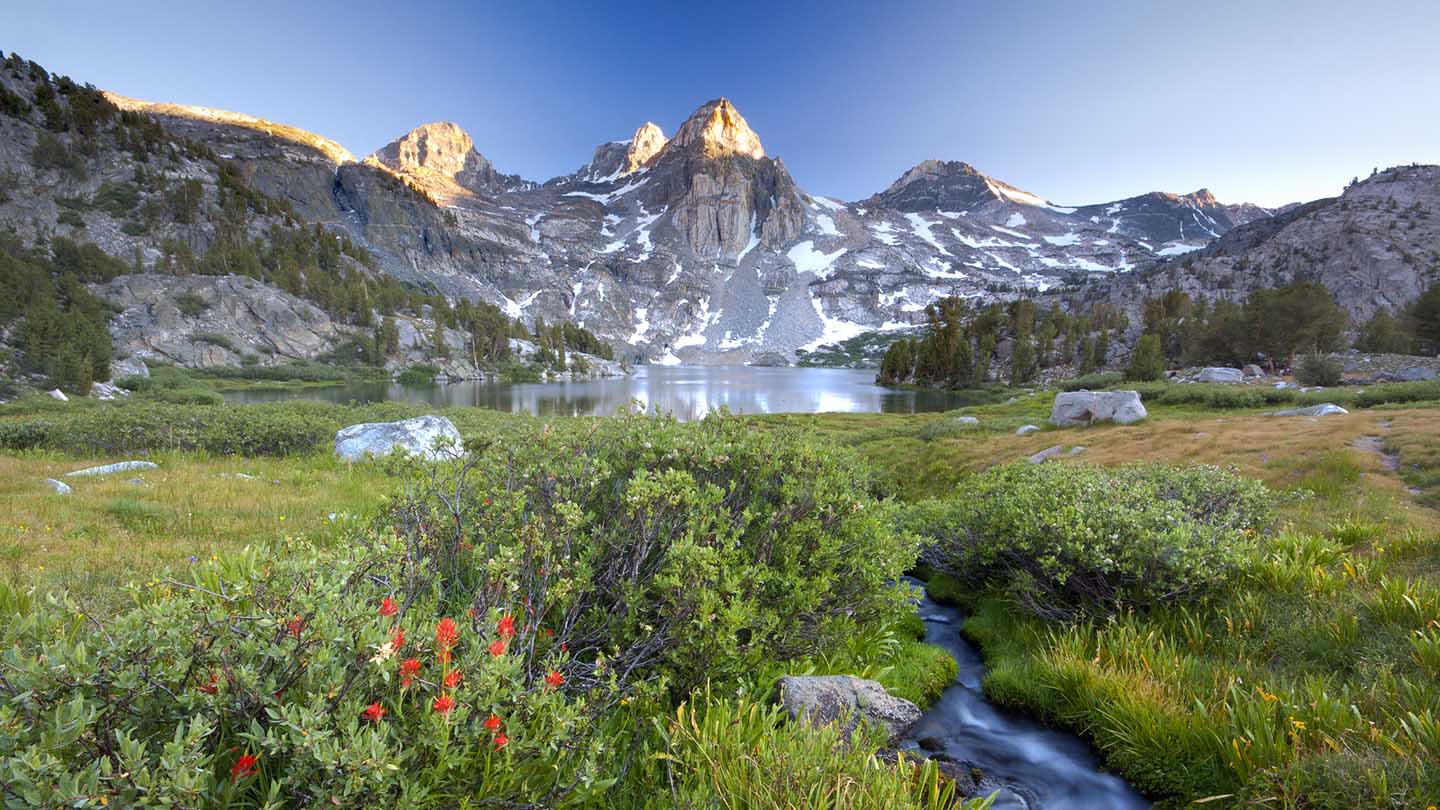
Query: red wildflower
[(501, 741), (506, 627), (446, 632), (497, 648), (554, 678), (244, 767), (397, 640), (493, 722), (549, 633), (388, 607), (211, 687), (564, 647), (453, 679), (444, 704), (408, 668), (470, 612), (295, 626), (374, 712)]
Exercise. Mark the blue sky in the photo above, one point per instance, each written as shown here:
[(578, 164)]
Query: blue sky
[(1080, 102)]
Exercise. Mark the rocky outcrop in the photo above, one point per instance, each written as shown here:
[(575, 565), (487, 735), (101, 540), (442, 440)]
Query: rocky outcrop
[(442, 151), (238, 319), (1075, 408), (1220, 375), (432, 438), (110, 469), (823, 700)]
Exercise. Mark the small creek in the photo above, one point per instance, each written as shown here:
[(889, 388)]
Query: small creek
[(1035, 768)]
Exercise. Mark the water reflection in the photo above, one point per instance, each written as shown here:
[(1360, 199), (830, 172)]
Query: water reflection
[(688, 392)]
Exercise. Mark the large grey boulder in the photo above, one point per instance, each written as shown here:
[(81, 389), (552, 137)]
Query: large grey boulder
[(1415, 374), (1253, 370), (107, 469), (826, 699), (418, 437), (1323, 409), (128, 367), (56, 393), (1220, 375), (60, 487), (1084, 407)]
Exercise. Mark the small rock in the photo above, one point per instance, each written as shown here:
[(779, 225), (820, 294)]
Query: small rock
[(1043, 455), (1224, 375), (56, 393), (826, 699), (119, 466), (931, 744), (1025, 429), (107, 391), (60, 487), (129, 367), (1253, 370), (1323, 409), (967, 420), (1076, 450)]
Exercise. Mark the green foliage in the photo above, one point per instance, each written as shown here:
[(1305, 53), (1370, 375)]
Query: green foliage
[(59, 326), (1065, 540), (1423, 321), (1147, 364), (191, 304), (707, 548), (117, 199), (1093, 382), (1383, 334), (214, 339), (1317, 369), (156, 424), (741, 753), (961, 346), (418, 374), (516, 372), (52, 153)]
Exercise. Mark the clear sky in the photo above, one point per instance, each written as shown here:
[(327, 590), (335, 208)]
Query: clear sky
[(1261, 101)]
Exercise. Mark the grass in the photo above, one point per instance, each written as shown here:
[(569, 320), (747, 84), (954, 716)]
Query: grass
[(110, 530)]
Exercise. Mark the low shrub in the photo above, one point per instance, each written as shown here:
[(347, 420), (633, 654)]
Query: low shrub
[(191, 304), (158, 424), (214, 339), (1317, 369), (1075, 539), (1094, 382), (515, 372), (418, 374), (1398, 393), (699, 551)]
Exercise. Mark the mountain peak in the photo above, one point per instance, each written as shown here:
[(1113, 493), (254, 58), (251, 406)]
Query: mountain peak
[(649, 139), (441, 147), (718, 130)]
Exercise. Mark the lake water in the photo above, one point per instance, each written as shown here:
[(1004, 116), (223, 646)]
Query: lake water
[(688, 392)]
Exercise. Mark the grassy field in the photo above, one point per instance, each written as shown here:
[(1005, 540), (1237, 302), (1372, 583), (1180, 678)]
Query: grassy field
[(1308, 682)]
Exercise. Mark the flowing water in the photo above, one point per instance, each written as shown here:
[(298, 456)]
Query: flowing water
[(1039, 769), (688, 392)]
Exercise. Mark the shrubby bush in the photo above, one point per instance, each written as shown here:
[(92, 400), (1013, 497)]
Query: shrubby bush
[(510, 631), (1093, 382), (1317, 369), (1066, 540), (697, 551), (124, 428)]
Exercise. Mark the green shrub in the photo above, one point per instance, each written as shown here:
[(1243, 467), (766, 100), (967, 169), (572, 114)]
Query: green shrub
[(1067, 539), (191, 304), (514, 372), (1093, 382), (71, 218), (133, 228), (741, 754), (187, 395), (1147, 363), (1317, 369), (214, 339), (158, 424), (707, 548), (1398, 393), (418, 374)]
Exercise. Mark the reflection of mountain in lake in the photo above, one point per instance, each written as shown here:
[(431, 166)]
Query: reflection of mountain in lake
[(686, 392)]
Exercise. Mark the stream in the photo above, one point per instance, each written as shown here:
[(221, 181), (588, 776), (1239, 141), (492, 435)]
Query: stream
[(1033, 767)]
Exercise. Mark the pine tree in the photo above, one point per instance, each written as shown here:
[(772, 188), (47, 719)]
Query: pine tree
[(1147, 362)]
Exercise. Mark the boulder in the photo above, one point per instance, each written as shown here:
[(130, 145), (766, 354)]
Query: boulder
[(128, 367), (1253, 370), (826, 699), (967, 420), (1323, 409), (1025, 429), (107, 469), (107, 391), (56, 393), (1084, 407), (1044, 455), (770, 360), (416, 436), (1220, 375), (1415, 374), (60, 487)]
